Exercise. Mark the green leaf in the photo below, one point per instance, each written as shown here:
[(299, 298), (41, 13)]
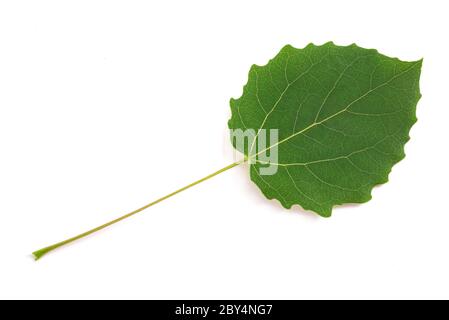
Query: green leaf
[(343, 115)]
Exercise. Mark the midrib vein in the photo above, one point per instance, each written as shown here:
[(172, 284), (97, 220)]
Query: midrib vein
[(314, 124)]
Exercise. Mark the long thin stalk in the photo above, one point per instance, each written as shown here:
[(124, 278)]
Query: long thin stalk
[(41, 252)]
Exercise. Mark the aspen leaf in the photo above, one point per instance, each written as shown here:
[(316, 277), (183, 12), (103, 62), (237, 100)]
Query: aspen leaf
[(343, 115)]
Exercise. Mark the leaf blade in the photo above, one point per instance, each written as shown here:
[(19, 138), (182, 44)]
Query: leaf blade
[(343, 115)]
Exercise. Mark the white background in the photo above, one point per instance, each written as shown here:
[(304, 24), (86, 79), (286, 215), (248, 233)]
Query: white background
[(107, 105)]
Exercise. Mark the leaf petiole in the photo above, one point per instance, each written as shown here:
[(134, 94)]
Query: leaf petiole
[(41, 252)]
